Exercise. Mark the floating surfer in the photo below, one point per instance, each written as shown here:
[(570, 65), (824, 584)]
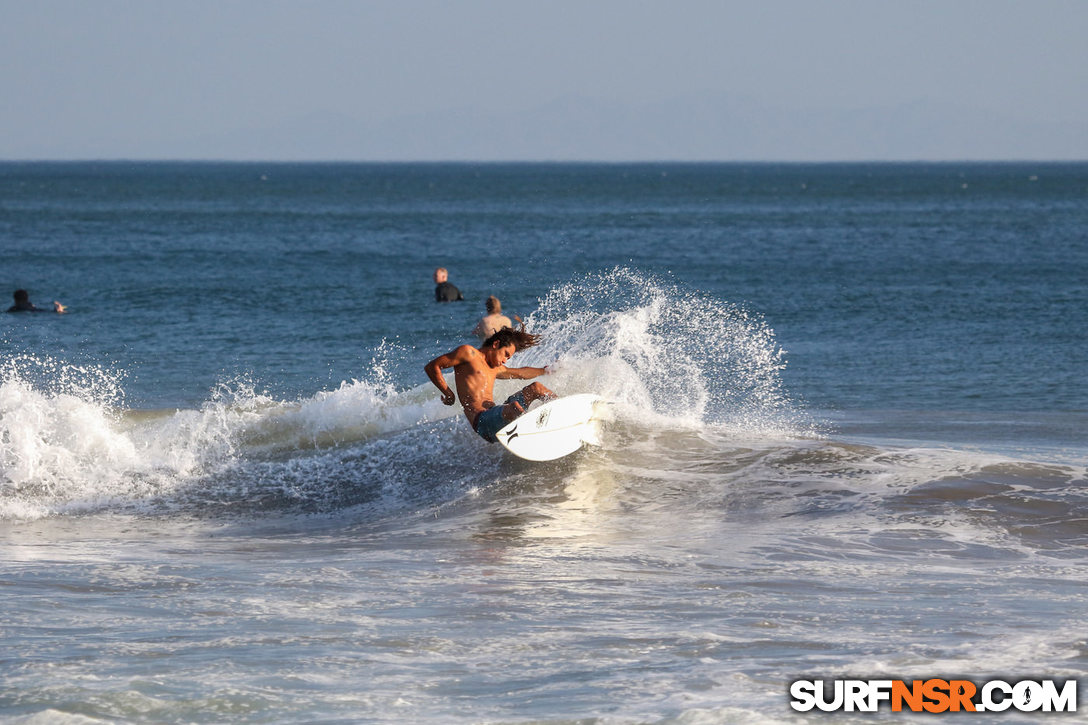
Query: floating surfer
[(23, 304), (475, 371), (445, 291), (494, 320)]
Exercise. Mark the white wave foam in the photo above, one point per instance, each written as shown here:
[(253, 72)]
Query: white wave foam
[(58, 434), (66, 446), (686, 357), (682, 359)]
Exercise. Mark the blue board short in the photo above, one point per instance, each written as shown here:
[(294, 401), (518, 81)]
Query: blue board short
[(490, 422)]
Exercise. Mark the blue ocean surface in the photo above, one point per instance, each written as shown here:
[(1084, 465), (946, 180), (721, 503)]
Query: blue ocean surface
[(846, 439)]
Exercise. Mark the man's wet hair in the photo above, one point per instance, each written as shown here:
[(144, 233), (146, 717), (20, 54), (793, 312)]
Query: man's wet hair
[(520, 339)]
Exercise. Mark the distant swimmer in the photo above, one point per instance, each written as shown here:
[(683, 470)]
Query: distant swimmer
[(493, 321), (445, 291), (475, 371), (23, 304)]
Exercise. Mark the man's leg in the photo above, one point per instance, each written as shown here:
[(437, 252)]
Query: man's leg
[(531, 392), (536, 391)]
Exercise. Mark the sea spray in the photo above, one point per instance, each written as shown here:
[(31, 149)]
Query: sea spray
[(67, 445), (683, 355), (684, 358), (359, 409), (57, 426)]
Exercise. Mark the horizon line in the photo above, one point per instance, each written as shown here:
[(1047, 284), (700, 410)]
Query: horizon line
[(510, 162)]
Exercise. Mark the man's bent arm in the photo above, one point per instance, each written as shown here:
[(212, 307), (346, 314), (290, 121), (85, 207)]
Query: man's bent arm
[(434, 372)]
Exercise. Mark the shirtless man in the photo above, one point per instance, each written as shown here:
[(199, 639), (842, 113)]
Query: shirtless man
[(493, 321), (475, 371)]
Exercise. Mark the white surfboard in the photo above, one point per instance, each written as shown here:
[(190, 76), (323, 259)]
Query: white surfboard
[(553, 430)]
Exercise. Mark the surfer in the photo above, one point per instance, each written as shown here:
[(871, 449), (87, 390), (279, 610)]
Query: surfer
[(475, 371), (444, 290), (23, 304), (493, 321)]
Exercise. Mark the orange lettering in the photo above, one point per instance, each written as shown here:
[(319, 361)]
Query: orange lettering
[(961, 693), (913, 696), (934, 691)]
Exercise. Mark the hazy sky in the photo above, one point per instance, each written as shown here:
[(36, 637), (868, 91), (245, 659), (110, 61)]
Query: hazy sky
[(544, 79)]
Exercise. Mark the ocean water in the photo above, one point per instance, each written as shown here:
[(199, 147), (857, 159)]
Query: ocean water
[(846, 439)]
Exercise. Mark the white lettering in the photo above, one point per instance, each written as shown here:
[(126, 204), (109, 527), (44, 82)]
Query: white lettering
[(1001, 705), (856, 695), (879, 690), (804, 695), (1065, 701), (1027, 696), (821, 699)]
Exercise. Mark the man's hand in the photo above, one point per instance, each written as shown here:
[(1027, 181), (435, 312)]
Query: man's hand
[(448, 397), (512, 410)]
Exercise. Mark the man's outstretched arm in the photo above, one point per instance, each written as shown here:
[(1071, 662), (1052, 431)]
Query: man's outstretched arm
[(521, 373)]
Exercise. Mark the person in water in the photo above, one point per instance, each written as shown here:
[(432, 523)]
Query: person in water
[(475, 371), (23, 304), (493, 321), (444, 290)]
